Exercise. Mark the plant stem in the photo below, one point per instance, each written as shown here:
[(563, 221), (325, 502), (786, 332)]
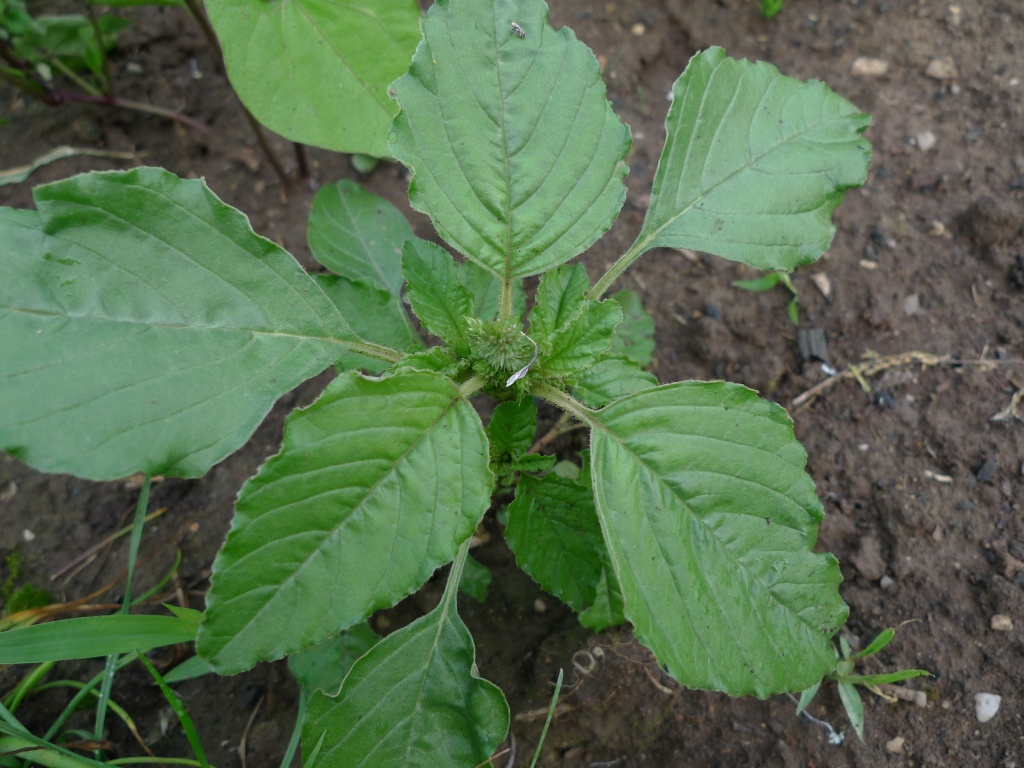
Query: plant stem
[(257, 129), (471, 386), (73, 97), (80, 82), (567, 403), (635, 251), (108, 76)]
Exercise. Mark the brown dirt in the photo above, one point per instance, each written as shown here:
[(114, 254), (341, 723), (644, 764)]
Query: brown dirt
[(924, 490)]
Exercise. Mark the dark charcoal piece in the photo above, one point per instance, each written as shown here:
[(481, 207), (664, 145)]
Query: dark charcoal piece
[(813, 345)]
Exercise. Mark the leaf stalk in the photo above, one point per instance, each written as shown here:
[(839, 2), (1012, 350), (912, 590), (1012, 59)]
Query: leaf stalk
[(567, 403)]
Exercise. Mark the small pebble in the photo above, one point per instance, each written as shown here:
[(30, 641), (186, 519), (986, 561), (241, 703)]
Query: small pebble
[(926, 140), (1002, 623), (539, 605), (638, 30), (942, 69), (911, 305), (986, 705), (886, 582), (28, 535), (865, 66), (895, 746)]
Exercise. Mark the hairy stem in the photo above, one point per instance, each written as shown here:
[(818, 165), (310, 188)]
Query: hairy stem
[(635, 251), (471, 386), (567, 403)]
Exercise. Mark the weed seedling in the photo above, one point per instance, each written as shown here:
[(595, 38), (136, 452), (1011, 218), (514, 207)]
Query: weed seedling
[(769, 281), (847, 682), (149, 329)]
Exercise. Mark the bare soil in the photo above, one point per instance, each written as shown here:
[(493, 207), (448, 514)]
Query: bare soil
[(923, 488)]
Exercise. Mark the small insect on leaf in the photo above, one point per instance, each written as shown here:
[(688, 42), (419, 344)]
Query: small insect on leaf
[(520, 32)]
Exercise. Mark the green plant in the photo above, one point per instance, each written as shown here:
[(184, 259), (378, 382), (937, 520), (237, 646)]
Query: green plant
[(148, 329), (41, 55), (767, 282), (847, 682), (771, 8)]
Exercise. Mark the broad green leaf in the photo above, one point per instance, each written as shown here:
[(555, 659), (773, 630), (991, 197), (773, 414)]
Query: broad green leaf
[(609, 379), (476, 580), (90, 636), (583, 342), (359, 235), (634, 337), (414, 700), (486, 290), (374, 314), (437, 297), (533, 462), (512, 429), (754, 164), (560, 300), (316, 72), (515, 151), (556, 537), (144, 327), (710, 518), (324, 666), (376, 485), (608, 609)]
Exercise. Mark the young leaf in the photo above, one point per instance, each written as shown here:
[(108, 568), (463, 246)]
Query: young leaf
[(560, 300), (414, 700), (147, 328), (609, 379), (761, 284), (486, 290), (556, 537), (512, 428), (376, 485), (583, 343), (853, 705), (359, 235), (807, 696), (515, 152), (374, 314), (437, 297), (709, 519), (634, 337), (318, 73), (753, 165)]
